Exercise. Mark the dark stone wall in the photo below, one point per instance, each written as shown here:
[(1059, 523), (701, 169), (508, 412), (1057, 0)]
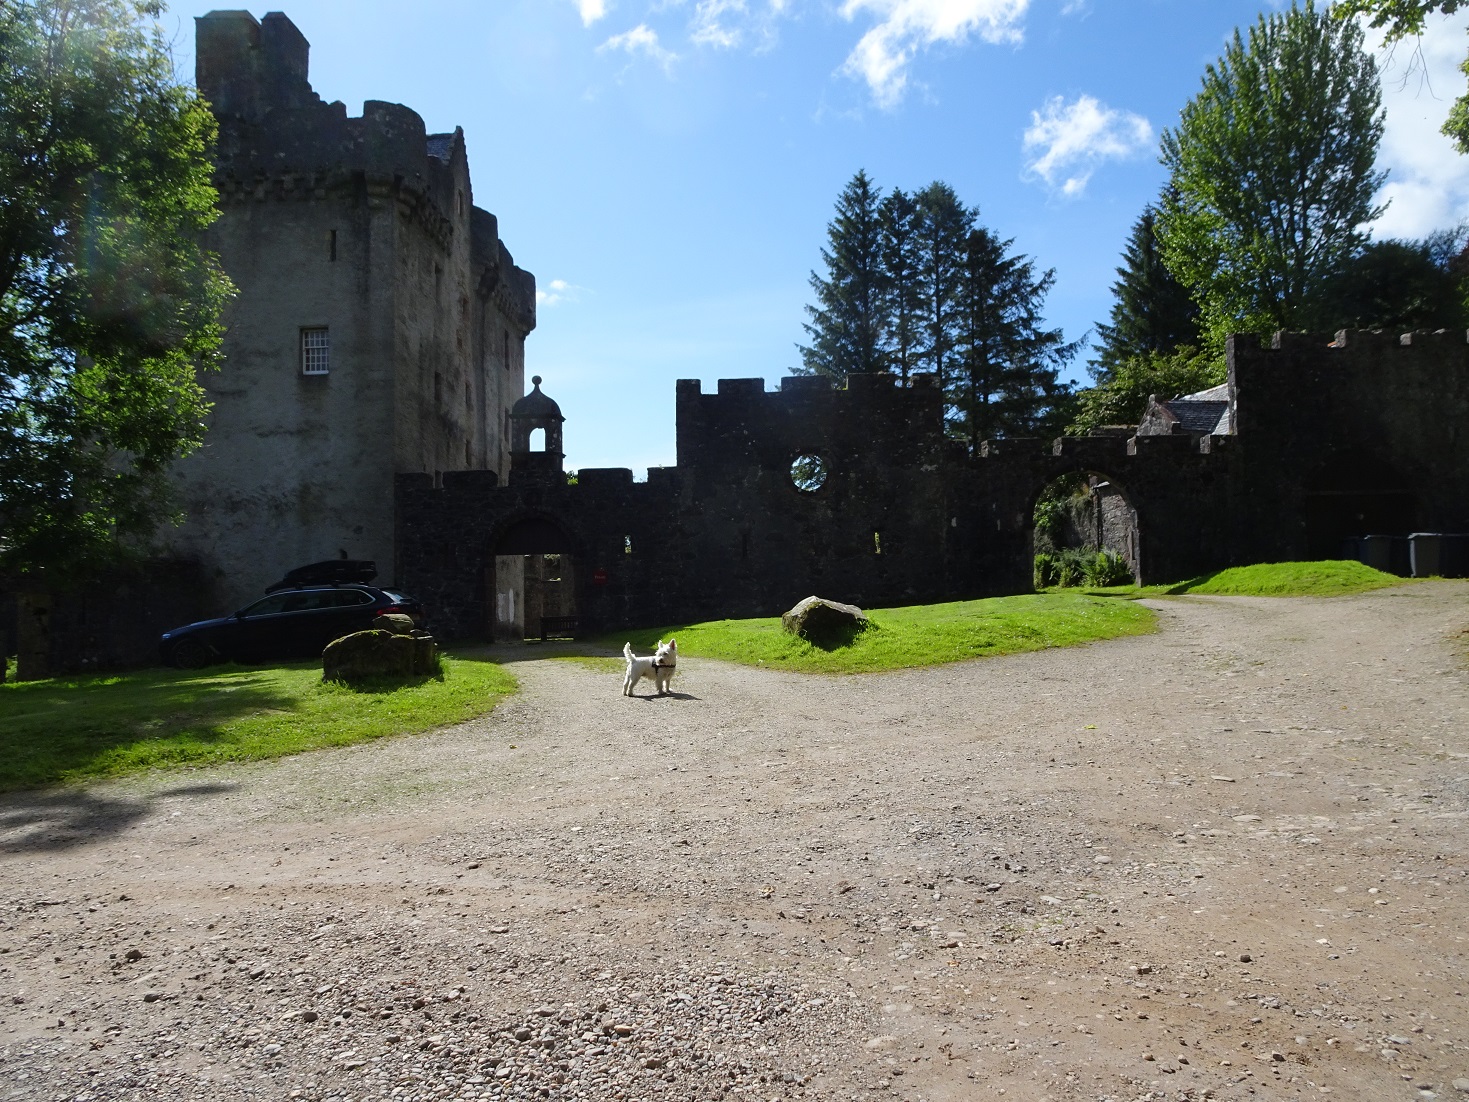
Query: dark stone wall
[(1352, 430)]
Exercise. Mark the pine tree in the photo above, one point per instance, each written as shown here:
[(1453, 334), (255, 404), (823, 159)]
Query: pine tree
[(902, 290), (1152, 311), (847, 321), (943, 228), (1006, 377)]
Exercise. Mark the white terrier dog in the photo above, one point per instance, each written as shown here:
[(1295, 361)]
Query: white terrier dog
[(658, 667)]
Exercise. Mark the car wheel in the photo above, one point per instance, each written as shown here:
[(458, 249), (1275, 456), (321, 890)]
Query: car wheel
[(189, 654)]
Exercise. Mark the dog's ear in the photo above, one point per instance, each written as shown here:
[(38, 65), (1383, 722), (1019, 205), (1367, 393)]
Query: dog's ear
[(673, 642)]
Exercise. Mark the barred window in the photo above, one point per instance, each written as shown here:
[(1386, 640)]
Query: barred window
[(316, 351)]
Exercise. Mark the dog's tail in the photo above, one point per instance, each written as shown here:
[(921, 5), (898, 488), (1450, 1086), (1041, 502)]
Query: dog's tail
[(627, 651)]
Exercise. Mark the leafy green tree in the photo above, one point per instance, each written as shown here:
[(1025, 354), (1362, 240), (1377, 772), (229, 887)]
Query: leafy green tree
[(1403, 285), (1151, 310), (1123, 398), (1006, 380), (846, 323), (108, 305), (1271, 173), (902, 290), (1402, 18), (944, 225)]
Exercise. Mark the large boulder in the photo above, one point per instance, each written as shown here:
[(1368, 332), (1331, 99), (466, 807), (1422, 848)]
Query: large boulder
[(396, 622), (365, 654), (825, 623)]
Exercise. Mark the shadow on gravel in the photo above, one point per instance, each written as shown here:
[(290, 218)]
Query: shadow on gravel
[(58, 819), (506, 654), (665, 696)]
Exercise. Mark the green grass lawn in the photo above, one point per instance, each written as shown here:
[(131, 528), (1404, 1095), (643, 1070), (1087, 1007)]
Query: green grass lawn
[(922, 635), (1330, 578), (70, 729)]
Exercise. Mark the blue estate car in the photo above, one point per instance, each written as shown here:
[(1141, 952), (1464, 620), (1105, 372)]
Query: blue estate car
[(291, 623)]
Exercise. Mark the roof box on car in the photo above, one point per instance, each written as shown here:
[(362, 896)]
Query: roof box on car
[(330, 572)]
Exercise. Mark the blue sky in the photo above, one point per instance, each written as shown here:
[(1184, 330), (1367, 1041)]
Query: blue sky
[(667, 168)]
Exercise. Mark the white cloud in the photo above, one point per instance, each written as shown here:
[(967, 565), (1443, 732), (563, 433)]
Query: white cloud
[(557, 292), (709, 28), (591, 10), (1065, 142), (640, 40), (904, 27), (1428, 181)]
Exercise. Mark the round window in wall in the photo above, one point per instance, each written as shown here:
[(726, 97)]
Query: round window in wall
[(808, 473)]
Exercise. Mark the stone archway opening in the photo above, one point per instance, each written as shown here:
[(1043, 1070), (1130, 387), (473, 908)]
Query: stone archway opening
[(1085, 532), (534, 582)]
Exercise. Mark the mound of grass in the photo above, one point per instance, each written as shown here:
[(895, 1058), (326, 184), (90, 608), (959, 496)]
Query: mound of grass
[(70, 729), (921, 635), (1330, 578)]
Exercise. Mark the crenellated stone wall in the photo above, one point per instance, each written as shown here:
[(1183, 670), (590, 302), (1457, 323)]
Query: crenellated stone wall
[(1358, 428)]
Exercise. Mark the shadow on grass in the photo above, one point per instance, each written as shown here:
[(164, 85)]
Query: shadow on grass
[(62, 729), (383, 686), (59, 819)]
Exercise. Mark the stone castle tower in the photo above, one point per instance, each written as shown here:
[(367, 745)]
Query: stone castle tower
[(379, 329)]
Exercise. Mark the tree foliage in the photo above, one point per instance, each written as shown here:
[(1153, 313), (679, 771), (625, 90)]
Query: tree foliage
[(1122, 398), (951, 301), (1006, 382), (1402, 19), (1271, 173), (1151, 310), (899, 217), (846, 321), (1404, 285), (108, 305)]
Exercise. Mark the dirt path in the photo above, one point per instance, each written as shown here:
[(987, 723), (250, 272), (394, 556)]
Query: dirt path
[(1225, 861)]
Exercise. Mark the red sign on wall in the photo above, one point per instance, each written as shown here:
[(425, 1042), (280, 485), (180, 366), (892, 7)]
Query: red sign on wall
[(599, 576)]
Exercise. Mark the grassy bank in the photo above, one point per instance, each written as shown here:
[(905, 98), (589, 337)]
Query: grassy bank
[(1328, 578), (70, 729), (922, 635)]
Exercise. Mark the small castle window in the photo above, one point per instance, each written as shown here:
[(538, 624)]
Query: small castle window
[(808, 473), (505, 348), (316, 351), (333, 245), (537, 440), (876, 542)]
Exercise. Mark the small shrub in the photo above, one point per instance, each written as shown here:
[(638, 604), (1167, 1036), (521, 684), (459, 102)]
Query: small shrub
[(1043, 573), (1068, 570), (1106, 568)]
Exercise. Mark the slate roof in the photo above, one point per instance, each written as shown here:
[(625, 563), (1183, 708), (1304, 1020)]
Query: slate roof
[(1199, 418)]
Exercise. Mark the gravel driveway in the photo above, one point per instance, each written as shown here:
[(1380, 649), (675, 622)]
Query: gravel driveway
[(1224, 861)]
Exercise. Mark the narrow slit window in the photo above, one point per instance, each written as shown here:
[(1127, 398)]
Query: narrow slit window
[(316, 351), (627, 545), (876, 543), (333, 245), (505, 348)]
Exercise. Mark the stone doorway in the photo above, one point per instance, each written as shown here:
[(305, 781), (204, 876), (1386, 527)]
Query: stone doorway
[(534, 582)]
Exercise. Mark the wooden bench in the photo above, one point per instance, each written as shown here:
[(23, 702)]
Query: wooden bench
[(559, 627)]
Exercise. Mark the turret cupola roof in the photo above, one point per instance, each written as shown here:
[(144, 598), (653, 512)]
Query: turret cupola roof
[(536, 406)]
